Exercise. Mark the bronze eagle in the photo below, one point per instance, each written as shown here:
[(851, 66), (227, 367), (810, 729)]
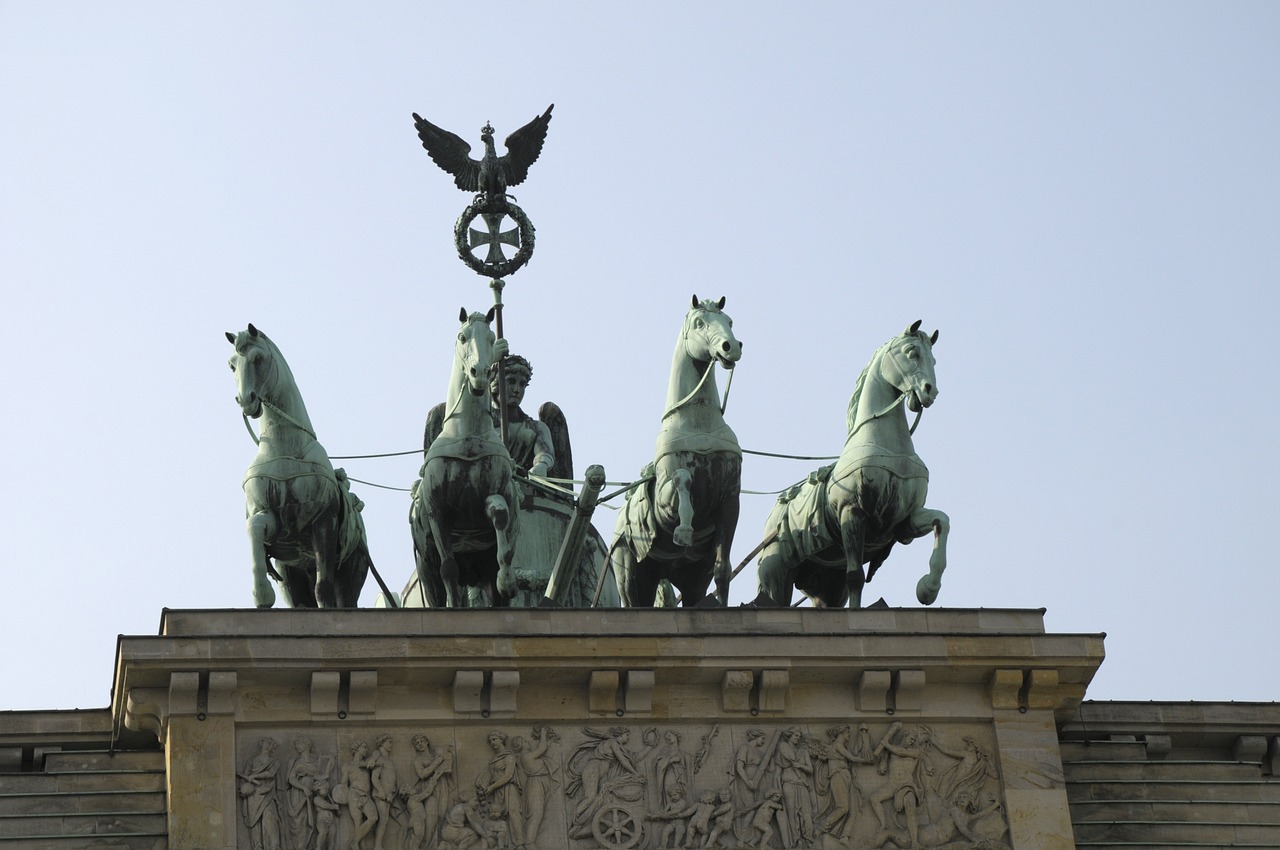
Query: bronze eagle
[(491, 174)]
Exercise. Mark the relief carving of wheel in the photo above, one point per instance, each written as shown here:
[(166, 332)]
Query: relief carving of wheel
[(616, 828)]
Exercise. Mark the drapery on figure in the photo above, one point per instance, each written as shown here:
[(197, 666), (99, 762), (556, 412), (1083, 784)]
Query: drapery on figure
[(498, 785), (259, 784), (535, 771), (428, 799)]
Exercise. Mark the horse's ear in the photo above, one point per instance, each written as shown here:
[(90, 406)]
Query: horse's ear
[(493, 311), (252, 330), (933, 340), (695, 299), (720, 303), (462, 314), (231, 338), (915, 327)]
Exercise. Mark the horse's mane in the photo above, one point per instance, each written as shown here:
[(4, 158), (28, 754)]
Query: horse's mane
[(851, 415), (245, 338)]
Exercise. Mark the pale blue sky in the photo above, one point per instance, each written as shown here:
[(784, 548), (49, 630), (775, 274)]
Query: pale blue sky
[(1084, 198)]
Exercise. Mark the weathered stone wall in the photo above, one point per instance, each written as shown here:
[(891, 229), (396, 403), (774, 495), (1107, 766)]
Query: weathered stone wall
[(66, 781), (1174, 774)]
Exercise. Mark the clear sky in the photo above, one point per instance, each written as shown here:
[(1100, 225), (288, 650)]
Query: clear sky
[(1083, 198)]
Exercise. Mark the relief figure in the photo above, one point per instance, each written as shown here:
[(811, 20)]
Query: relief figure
[(355, 787), (463, 827), (796, 775), (498, 787), (902, 764), (259, 784), (535, 770), (427, 800)]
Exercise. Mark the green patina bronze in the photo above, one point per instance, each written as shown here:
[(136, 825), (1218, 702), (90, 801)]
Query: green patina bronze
[(465, 509), (680, 525), (301, 511), (555, 536), (822, 531)]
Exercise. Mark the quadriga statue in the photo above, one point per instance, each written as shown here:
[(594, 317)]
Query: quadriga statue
[(680, 524), (851, 513), (301, 510), (542, 456)]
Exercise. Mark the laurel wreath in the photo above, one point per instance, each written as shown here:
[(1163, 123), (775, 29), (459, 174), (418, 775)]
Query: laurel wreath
[(493, 205)]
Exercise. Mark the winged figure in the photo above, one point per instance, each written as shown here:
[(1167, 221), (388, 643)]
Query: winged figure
[(491, 174)]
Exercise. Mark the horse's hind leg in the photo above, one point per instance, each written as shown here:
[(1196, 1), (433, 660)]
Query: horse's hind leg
[(851, 538), (324, 539), (496, 509), (773, 579), (922, 522), (722, 568), (262, 528)]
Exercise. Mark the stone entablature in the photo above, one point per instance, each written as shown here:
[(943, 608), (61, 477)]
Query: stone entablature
[(860, 727)]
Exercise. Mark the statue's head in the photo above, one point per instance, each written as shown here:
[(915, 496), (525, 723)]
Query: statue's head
[(519, 372)]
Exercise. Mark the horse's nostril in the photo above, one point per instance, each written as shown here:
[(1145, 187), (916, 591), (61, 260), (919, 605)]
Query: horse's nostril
[(928, 388)]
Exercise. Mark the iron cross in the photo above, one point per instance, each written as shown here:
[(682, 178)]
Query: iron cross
[(495, 238)]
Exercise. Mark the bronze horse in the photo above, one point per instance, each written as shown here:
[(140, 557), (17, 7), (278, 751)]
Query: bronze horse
[(465, 508), (301, 511), (679, 526), (823, 530)]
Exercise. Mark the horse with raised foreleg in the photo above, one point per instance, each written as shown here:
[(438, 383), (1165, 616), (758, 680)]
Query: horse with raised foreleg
[(301, 511), (680, 525), (465, 509), (848, 514)]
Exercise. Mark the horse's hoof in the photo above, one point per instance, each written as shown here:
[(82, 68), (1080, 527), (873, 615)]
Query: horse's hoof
[(927, 590), (683, 535), (264, 596)]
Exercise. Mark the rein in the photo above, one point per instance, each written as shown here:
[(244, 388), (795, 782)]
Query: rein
[(897, 401), (283, 415), (889, 408), (682, 402)]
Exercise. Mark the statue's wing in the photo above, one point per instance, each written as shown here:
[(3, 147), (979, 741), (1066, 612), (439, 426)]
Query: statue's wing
[(553, 417), (435, 424), (523, 147), (450, 152)]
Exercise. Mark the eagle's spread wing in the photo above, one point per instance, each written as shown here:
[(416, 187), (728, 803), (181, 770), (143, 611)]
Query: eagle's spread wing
[(450, 152), (523, 147)]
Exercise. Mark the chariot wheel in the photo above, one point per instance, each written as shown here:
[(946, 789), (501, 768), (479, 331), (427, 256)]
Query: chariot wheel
[(616, 828)]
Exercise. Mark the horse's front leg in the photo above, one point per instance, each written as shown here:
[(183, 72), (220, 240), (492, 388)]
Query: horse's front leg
[(922, 522), (852, 531), (499, 513), (674, 489), (262, 529), (442, 536)]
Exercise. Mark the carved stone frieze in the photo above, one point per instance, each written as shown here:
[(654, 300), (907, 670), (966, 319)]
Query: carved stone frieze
[(649, 787)]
